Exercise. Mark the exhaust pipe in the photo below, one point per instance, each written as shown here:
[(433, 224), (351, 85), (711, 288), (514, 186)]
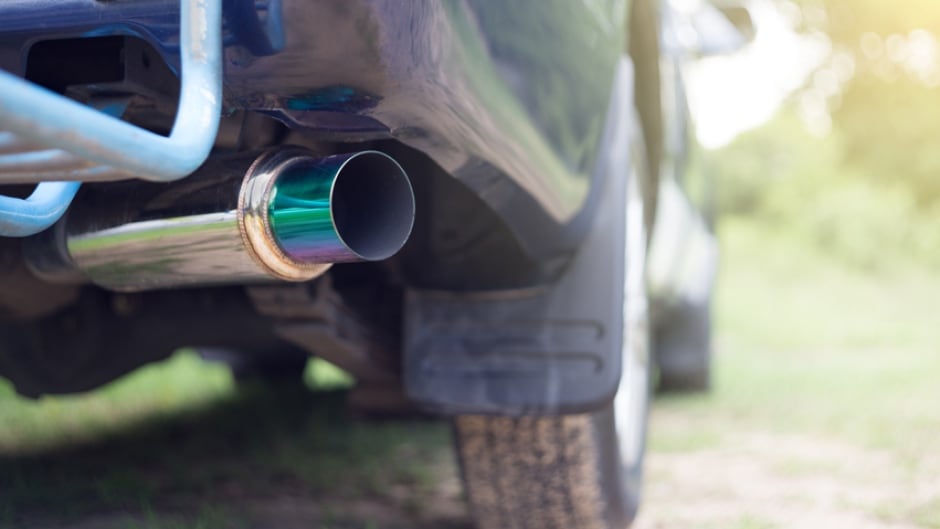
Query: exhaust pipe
[(284, 215)]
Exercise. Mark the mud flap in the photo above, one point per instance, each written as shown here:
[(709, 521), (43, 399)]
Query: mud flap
[(548, 350)]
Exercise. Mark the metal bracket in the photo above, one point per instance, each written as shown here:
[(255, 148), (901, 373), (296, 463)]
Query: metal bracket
[(314, 317), (52, 139)]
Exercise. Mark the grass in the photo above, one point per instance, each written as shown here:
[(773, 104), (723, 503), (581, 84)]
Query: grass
[(812, 349), (805, 345), (173, 444), (166, 389), (805, 342), (809, 344)]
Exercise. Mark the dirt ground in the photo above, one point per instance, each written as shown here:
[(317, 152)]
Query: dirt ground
[(763, 481)]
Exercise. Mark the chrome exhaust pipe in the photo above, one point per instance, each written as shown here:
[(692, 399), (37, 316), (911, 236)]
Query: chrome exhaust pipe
[(284, 215)]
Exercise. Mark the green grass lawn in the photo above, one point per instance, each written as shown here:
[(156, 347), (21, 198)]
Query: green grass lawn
[(806, 343), (806, 346), (178, 445), (834, 370)]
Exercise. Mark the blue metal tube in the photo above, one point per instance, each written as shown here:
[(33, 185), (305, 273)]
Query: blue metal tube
[(24, 217), (32, 114), (46, 118), (49, 200), (11, 143), (49, 160)]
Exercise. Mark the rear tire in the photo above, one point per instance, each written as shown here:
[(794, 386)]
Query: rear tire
[(683, 349), (546, 472)]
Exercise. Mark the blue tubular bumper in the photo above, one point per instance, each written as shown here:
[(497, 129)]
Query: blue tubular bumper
[(100, 147), (25, 217)]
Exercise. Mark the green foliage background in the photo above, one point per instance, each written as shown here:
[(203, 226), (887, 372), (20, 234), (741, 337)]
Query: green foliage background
[(869, 192)]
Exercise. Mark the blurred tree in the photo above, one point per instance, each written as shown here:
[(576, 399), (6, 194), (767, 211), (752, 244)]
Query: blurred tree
[(868, 191), (887, 108), (845, 21), (891, 130)]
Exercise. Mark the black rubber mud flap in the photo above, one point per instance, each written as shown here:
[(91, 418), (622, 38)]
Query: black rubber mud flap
[(548, 350), (554, 349)]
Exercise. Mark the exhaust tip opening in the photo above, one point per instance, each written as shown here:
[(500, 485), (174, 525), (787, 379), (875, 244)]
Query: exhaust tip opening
[(340, 208), (372, 206)]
